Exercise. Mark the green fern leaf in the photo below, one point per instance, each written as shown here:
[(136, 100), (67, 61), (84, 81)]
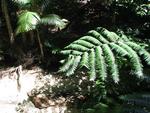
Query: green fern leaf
[(91, 39), (140, 50), (118, 49), (92, 71), (22, 2), (27, 21), (74, 66), (134, 59), (84, 60), (98, 36), (124, 38), (78, 47), (54, 20), (100, 63), (67, 64), (73, 52), (110, 59), (111, 36), (95, 52), (84, 43)]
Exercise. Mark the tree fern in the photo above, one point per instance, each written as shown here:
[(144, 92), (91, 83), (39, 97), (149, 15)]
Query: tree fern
[(98, 50), (28, 19)]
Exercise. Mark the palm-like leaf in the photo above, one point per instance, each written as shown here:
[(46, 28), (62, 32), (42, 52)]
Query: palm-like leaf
[(96, 51), (27, 21), (54, 20), (22, 2)]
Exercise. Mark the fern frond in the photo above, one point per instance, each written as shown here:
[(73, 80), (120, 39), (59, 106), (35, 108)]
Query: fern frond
[(95, 52), (91, 39), (84, 43), (84, 60), (73, 52), (111, 36), (53, 20), (134, 59), (141, 51), (75, 46), (67, 64), (92, 60), (98, 36), (124, 37), (100, 63), (110, 59), (118, 49), (22, 2), (74, 66), (27, 21)]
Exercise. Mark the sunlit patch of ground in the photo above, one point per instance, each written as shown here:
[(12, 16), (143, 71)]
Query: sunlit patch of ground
[(44, 93), (10, 96)]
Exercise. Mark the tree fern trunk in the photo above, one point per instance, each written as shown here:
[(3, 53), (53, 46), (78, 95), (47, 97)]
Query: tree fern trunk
[(7, 19), (32, 39), (40, 44)]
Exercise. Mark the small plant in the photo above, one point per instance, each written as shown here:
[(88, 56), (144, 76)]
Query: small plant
[(98, 52)]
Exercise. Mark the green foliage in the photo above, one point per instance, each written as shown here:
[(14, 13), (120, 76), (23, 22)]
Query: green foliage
[(27, 21), (97, 52), (22, 2), (30, 17), (54, 20), (143, 10)]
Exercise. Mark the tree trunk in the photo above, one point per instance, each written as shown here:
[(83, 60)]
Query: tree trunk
[(40, 44), (7, 19)]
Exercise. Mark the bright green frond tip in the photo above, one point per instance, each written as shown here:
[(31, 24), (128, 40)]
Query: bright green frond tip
[(22, 2), (27, 21), (98, 51), (54, 20)]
